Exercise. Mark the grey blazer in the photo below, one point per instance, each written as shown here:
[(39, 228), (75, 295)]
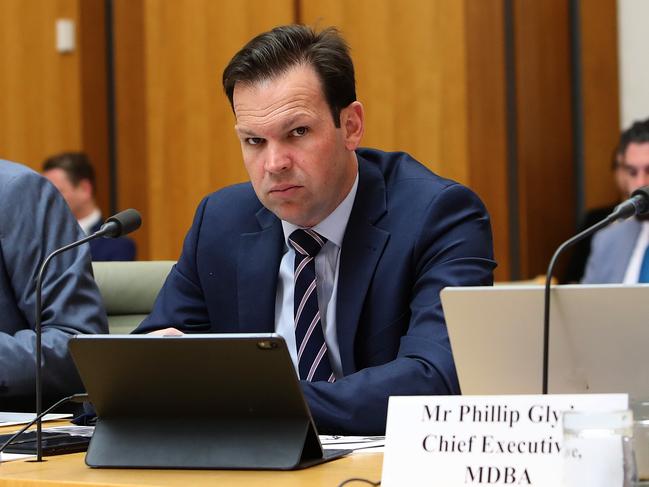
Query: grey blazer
[(611, 251), (34, 221)]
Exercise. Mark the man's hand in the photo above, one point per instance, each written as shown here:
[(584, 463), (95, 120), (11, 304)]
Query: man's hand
[(169, 332)]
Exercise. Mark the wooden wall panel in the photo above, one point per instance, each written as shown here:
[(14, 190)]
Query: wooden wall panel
[(40, 102), (431, 76), (410, 71), (131, 117), (600, 88), (486, 124), (430, 72), (53, 102), (545, 132), (190, 148), (94, 95)]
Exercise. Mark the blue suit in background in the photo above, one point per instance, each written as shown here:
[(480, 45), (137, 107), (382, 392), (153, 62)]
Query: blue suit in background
[(111, 249), (410, 234), (611, 251), (35, 221)]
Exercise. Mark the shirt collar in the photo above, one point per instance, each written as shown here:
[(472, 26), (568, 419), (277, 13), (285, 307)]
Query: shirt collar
[(333, 227), (88, 222)]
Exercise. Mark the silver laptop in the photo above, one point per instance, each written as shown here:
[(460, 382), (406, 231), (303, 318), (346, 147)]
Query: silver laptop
[(599, 338)]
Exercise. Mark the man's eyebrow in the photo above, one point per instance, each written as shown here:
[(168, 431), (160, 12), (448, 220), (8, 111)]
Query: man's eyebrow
[(291, 122), (635, 166), (244, 131)]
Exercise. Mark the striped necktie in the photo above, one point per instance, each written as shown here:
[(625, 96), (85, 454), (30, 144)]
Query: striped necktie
[(312, 357), (644, 267)]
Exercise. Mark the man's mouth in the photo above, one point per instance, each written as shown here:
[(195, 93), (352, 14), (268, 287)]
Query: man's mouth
[(283, 188)]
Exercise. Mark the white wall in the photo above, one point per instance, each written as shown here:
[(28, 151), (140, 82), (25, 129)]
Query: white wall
[(633, 34)]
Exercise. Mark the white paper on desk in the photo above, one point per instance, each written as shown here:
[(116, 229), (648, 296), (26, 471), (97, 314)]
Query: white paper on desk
[(72, 429), (10, 457), (360, 444), (13, 419)]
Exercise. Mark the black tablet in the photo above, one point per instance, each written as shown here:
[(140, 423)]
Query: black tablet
[(196, 401), (53, 443)]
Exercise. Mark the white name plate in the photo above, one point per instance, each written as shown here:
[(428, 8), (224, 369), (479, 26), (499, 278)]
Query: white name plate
[(481, 440)]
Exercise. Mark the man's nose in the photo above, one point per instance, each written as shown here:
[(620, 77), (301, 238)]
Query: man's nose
[(641, 179), (277, 158)]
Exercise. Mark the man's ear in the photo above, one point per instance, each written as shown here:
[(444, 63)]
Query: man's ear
[(86, 186), (352, 122)]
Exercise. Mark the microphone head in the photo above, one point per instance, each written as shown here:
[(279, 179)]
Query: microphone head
[(122, 223), (642, 206)]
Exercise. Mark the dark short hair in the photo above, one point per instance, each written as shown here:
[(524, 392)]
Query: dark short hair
[(638, 133), (76, 165), (273, 53)]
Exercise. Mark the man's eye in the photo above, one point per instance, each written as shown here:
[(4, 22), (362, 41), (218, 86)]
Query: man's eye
[(299, 132), (254, 140)]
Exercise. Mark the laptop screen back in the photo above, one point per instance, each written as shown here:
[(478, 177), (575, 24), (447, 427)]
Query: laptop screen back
[(599, 338)]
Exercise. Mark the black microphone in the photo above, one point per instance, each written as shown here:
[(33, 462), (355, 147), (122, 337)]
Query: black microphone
[(117, 225), (637, 205), (122, 223)]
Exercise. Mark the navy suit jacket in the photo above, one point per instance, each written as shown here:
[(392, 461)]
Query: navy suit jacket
[(410, 234), (105, 249), (35, 221)]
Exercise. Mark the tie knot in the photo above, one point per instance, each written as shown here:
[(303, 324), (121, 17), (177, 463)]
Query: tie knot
[(306, 242)]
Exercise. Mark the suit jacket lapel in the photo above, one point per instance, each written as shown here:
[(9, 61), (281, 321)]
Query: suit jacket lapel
[(258, 262), (625, 248), (362, 247)]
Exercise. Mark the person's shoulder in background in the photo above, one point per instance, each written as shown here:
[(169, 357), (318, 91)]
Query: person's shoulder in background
[(576, 265), (114, 249)]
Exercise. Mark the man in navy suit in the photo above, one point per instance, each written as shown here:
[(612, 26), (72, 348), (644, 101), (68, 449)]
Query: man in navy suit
[(74, 177), (387, 236)]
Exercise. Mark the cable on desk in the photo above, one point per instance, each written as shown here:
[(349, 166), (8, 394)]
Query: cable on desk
[(358, 479), (78, 398)]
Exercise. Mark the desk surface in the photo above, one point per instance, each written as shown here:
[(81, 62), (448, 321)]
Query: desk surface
[(72, 471)]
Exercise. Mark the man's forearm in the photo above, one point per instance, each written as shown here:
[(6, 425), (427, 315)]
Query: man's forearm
[(18, 364)]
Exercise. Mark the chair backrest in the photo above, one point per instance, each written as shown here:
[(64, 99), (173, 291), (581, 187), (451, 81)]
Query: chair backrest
[(129, 289)]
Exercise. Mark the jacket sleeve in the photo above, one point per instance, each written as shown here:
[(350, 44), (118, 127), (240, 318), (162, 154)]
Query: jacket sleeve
[(35, 221), (181, 301)]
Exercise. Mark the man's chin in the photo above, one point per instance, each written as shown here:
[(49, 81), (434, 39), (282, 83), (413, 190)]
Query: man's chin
[(289, 213)]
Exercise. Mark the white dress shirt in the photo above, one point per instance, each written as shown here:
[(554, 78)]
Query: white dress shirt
[(87, 223), (327, 265)]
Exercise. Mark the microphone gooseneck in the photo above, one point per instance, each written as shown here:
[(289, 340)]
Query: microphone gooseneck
[(638, 204), (117, 225)]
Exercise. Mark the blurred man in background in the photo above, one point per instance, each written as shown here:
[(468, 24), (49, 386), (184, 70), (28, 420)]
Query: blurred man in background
[(620, 252), (74, 177)]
